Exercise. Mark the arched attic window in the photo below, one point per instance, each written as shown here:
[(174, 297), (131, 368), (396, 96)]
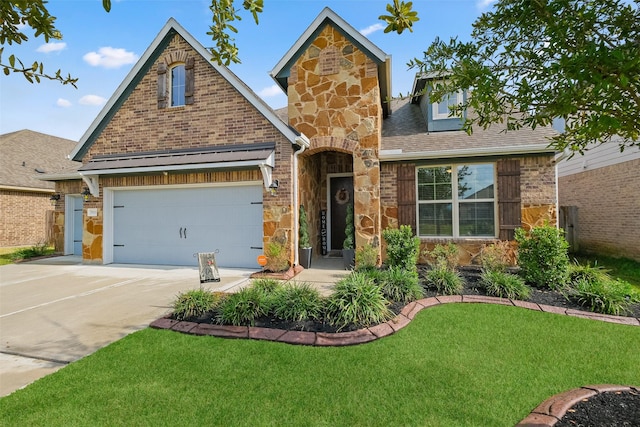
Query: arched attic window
[(179, 88)]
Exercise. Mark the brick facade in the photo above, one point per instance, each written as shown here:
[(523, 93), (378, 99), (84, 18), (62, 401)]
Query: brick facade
[(25, 218), (608, 201), (219, 115)]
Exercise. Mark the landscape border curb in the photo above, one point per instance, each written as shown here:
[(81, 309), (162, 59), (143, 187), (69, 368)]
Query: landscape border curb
[(372, 333), (551, 411)]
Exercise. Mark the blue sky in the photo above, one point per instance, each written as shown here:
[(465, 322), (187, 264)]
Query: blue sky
[(100, 48)]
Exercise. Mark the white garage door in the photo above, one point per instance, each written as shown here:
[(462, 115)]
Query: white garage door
[(169, 226)]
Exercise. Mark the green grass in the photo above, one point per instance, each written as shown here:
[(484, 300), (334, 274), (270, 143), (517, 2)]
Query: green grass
[(621, 268), (9, 255), (454, 365)]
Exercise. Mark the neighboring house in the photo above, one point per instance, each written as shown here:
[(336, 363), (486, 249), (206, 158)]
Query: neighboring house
[(604, 186), (185, 158), (25, 200)]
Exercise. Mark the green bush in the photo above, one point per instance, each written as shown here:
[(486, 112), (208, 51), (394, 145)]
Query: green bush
[(444, 256), (445, 280), (588, 272), (298, 302), (268, 286), (497, 256), (193, 303), (357, 300), (604, 296), (505, 285), (40, 249), (277, 257), (349, 230), (366, 257), (304, 241), (542, 256), (244, 306), (402, 247), (401, 285)]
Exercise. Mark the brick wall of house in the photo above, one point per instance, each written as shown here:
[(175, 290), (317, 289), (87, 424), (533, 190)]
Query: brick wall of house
[(219, 115), (537, 192), (608, 201), (24, 217)]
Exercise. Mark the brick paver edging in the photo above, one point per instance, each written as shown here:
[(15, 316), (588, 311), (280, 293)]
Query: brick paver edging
[(549, 412), (372, 333)]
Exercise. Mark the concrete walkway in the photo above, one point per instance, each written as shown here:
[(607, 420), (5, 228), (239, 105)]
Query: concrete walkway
[(54, 311)]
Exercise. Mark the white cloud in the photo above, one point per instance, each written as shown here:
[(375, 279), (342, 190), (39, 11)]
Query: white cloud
[(92, 100), (270, 91), (485, 4), (372, 29), (61, 102), (110, 57), (51, 47)]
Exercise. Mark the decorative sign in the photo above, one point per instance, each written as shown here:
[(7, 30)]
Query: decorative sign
[(323, 230), (262, 260), (208, 267), (92, 211)]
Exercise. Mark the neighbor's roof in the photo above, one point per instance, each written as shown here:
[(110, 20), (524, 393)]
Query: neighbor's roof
[(26, 155), (170, 29), (405, 137)]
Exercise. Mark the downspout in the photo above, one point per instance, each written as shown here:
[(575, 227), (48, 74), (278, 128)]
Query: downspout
[(303, 142)]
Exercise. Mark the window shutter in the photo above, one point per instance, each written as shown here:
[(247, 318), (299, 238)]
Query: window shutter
[(509, 200), (162, 85), (407, 196), (189, 68)]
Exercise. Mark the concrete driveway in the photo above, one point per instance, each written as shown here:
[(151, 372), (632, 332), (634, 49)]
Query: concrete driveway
[(55, 311)]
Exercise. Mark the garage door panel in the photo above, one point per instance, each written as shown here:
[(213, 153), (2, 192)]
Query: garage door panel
[(168, 226)]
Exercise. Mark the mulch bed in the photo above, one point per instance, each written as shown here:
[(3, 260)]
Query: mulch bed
[(610, 409)]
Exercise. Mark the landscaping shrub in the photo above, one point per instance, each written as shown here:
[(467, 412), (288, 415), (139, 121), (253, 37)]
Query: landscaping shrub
[(400, 285), (268, 286), (40, 249), (604, 296), (542, 256), (497, 256), (445, 280), (245, 306), (504, 285), (298, 302), (591, 273), (366, 257), (194, 303), (402, 247), (444, 256), (357, 300), (277, 257)]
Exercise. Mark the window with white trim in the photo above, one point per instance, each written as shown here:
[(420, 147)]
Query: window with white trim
[(440, 110), (456, 200), (178, 85)]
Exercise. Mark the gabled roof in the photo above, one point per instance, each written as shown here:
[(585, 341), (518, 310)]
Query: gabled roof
[(161, 41), (280, 72), (26, 155)]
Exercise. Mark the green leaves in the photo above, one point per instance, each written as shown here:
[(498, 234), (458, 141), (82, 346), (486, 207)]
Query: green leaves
[(530, 62), (400, 17)]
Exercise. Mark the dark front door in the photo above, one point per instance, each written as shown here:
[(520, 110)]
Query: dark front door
[(341, 196)]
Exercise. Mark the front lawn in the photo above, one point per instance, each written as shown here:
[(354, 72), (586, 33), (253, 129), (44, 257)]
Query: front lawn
[(454, 365)]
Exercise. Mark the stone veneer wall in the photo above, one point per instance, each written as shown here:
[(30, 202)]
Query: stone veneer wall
[(334, 99), (537, 192), (608, 201), (218, 116), (24, 217)]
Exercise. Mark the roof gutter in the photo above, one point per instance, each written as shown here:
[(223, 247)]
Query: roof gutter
[(399, 155)]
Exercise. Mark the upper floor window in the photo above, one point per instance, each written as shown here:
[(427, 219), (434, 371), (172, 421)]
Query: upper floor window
[(456, 200), (441, 109), (178, 85)]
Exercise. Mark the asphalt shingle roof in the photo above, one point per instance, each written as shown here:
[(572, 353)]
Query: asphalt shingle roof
[(25, 154), (405, 129)]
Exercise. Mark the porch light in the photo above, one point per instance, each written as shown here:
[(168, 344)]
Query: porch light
[(273, 187), (85, 194), (54, 198)]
